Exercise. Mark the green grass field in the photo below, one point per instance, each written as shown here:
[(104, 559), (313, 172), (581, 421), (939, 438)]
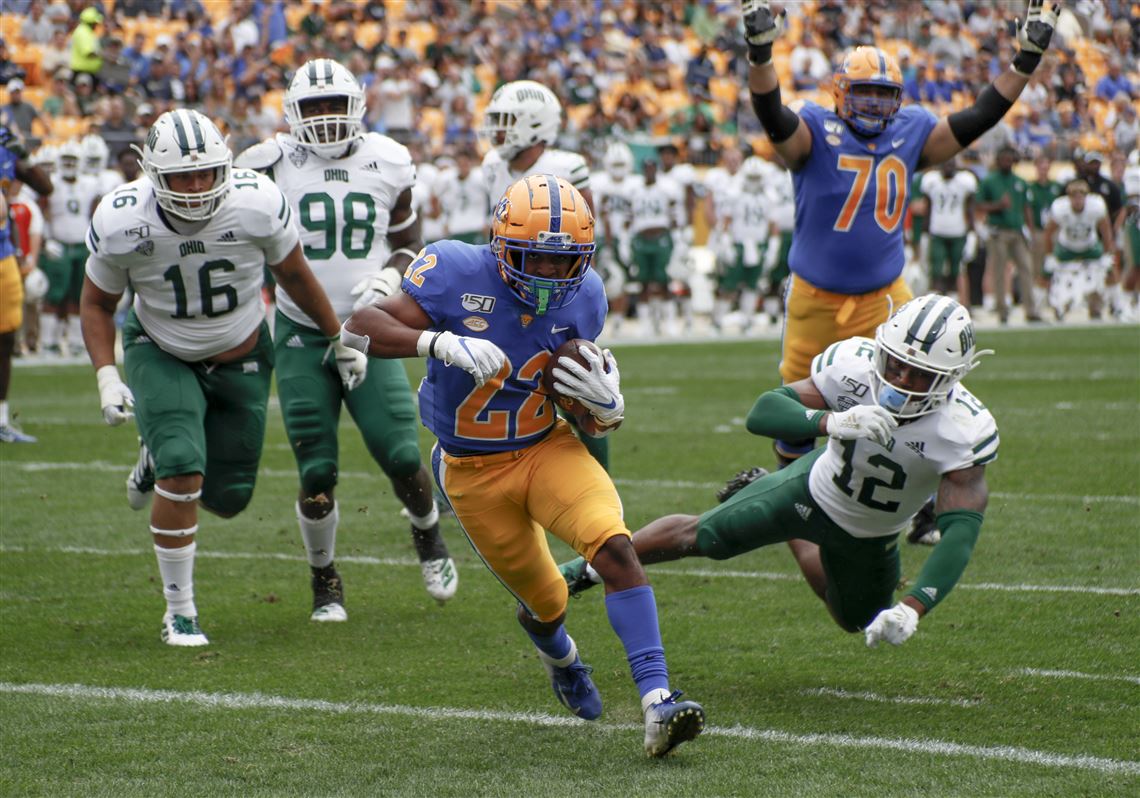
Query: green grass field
[(1024, 682)]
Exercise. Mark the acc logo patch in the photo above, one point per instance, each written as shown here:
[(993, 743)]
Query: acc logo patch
[(833, 140), (477, 303), (476, 323)]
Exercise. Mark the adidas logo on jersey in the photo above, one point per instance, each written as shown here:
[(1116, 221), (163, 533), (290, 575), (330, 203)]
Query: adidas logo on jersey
[(227, 236), (918, 447), (372, 166), (803, 510), (295, 342)]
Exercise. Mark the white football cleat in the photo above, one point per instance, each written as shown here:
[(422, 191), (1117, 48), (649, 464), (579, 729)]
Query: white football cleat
[(178, 630), (441, 579)]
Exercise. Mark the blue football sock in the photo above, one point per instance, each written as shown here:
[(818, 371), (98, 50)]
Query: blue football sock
[(633, 615), (556, 646)]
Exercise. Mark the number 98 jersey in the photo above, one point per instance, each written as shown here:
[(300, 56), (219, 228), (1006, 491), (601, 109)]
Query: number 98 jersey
[(872, 490), (196, 295), (343, 208)]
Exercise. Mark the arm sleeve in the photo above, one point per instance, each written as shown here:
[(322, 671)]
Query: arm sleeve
[(945, 565), (779, 413)]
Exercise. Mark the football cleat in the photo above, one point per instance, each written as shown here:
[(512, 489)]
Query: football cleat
[(923, 527), (12, 434), (575, 689), (441, 579), (577, 576), (670, 722), (741, 480), (328, 595), (140, 484), (178, 630)]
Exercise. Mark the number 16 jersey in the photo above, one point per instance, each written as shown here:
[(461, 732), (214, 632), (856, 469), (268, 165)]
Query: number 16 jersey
[(196, 295)]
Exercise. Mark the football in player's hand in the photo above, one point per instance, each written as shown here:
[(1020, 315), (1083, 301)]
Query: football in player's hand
[(586, 420)]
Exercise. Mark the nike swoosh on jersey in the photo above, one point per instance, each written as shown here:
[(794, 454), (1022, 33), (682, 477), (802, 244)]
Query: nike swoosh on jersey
[(554, 330)]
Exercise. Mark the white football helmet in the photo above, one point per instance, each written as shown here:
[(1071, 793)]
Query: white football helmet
[(326, 134), (95, 153), (619, 160), (46, 158), (753, 172), (932, 333), (186, 141), (67, 157), (520, 115)]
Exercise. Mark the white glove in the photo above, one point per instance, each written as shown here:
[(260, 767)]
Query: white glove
[(53, 249), (895, 625), (480, 358), (1051, 265), (971, 247), (862, 421), (371, 289), (625, 250), (598, 388), (1107, 261), (114, 396), (351, 364), (771, 253)]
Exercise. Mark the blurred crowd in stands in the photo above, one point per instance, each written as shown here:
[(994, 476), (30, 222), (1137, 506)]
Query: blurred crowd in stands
[(641, 72)]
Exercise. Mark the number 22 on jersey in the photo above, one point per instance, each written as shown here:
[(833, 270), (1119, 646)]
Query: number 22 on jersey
[(890, 187)]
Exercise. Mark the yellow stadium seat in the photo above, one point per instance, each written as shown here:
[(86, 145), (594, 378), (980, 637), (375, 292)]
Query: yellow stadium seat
[(294, 13), (69, 127)]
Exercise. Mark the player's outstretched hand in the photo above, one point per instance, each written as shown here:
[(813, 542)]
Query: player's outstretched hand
[(862, 421), (351, 364), (895, 625), (761, 28), (1034, 35), (598, 388)]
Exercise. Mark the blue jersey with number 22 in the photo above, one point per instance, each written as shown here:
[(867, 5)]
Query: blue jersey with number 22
[(851, 199), (459, 287)]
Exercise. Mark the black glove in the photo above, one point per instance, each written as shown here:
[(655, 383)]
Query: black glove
[(11, 140), (761, 28), (741, 480), (1033, 37)]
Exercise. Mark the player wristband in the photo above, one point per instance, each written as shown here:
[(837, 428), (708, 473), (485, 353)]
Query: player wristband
[(425, 344), (760, 54), (1024, 63)]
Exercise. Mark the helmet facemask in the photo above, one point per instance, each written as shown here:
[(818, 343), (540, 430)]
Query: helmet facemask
[(543, 293), (327, 132), (871, 106)]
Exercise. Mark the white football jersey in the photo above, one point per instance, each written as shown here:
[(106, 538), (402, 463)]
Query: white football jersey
[(69, 208), (659, 205), (782, 193), (948, 201), (109, 180), (1131, 181), (464, 200), (874, 491), (748, 213), (498, 177), (343, 208), (429, 178), (196, 295), (613, 203), (719, 185), (1078, 232)]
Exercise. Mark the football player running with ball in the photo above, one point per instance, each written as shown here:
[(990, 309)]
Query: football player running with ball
[(488, 318), (351, 192), (192, 237), (900, 426), (852, 169)]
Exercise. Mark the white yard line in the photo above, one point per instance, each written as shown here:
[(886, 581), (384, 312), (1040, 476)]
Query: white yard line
[(830, 692), (256, 701), (703, 573), (1048, 674)]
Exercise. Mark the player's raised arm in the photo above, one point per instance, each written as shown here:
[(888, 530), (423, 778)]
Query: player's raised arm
[(957, 131), (761, 29)]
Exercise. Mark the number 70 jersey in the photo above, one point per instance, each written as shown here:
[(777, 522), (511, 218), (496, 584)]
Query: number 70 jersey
[(851, 200), (872, 490), (196, 295)]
